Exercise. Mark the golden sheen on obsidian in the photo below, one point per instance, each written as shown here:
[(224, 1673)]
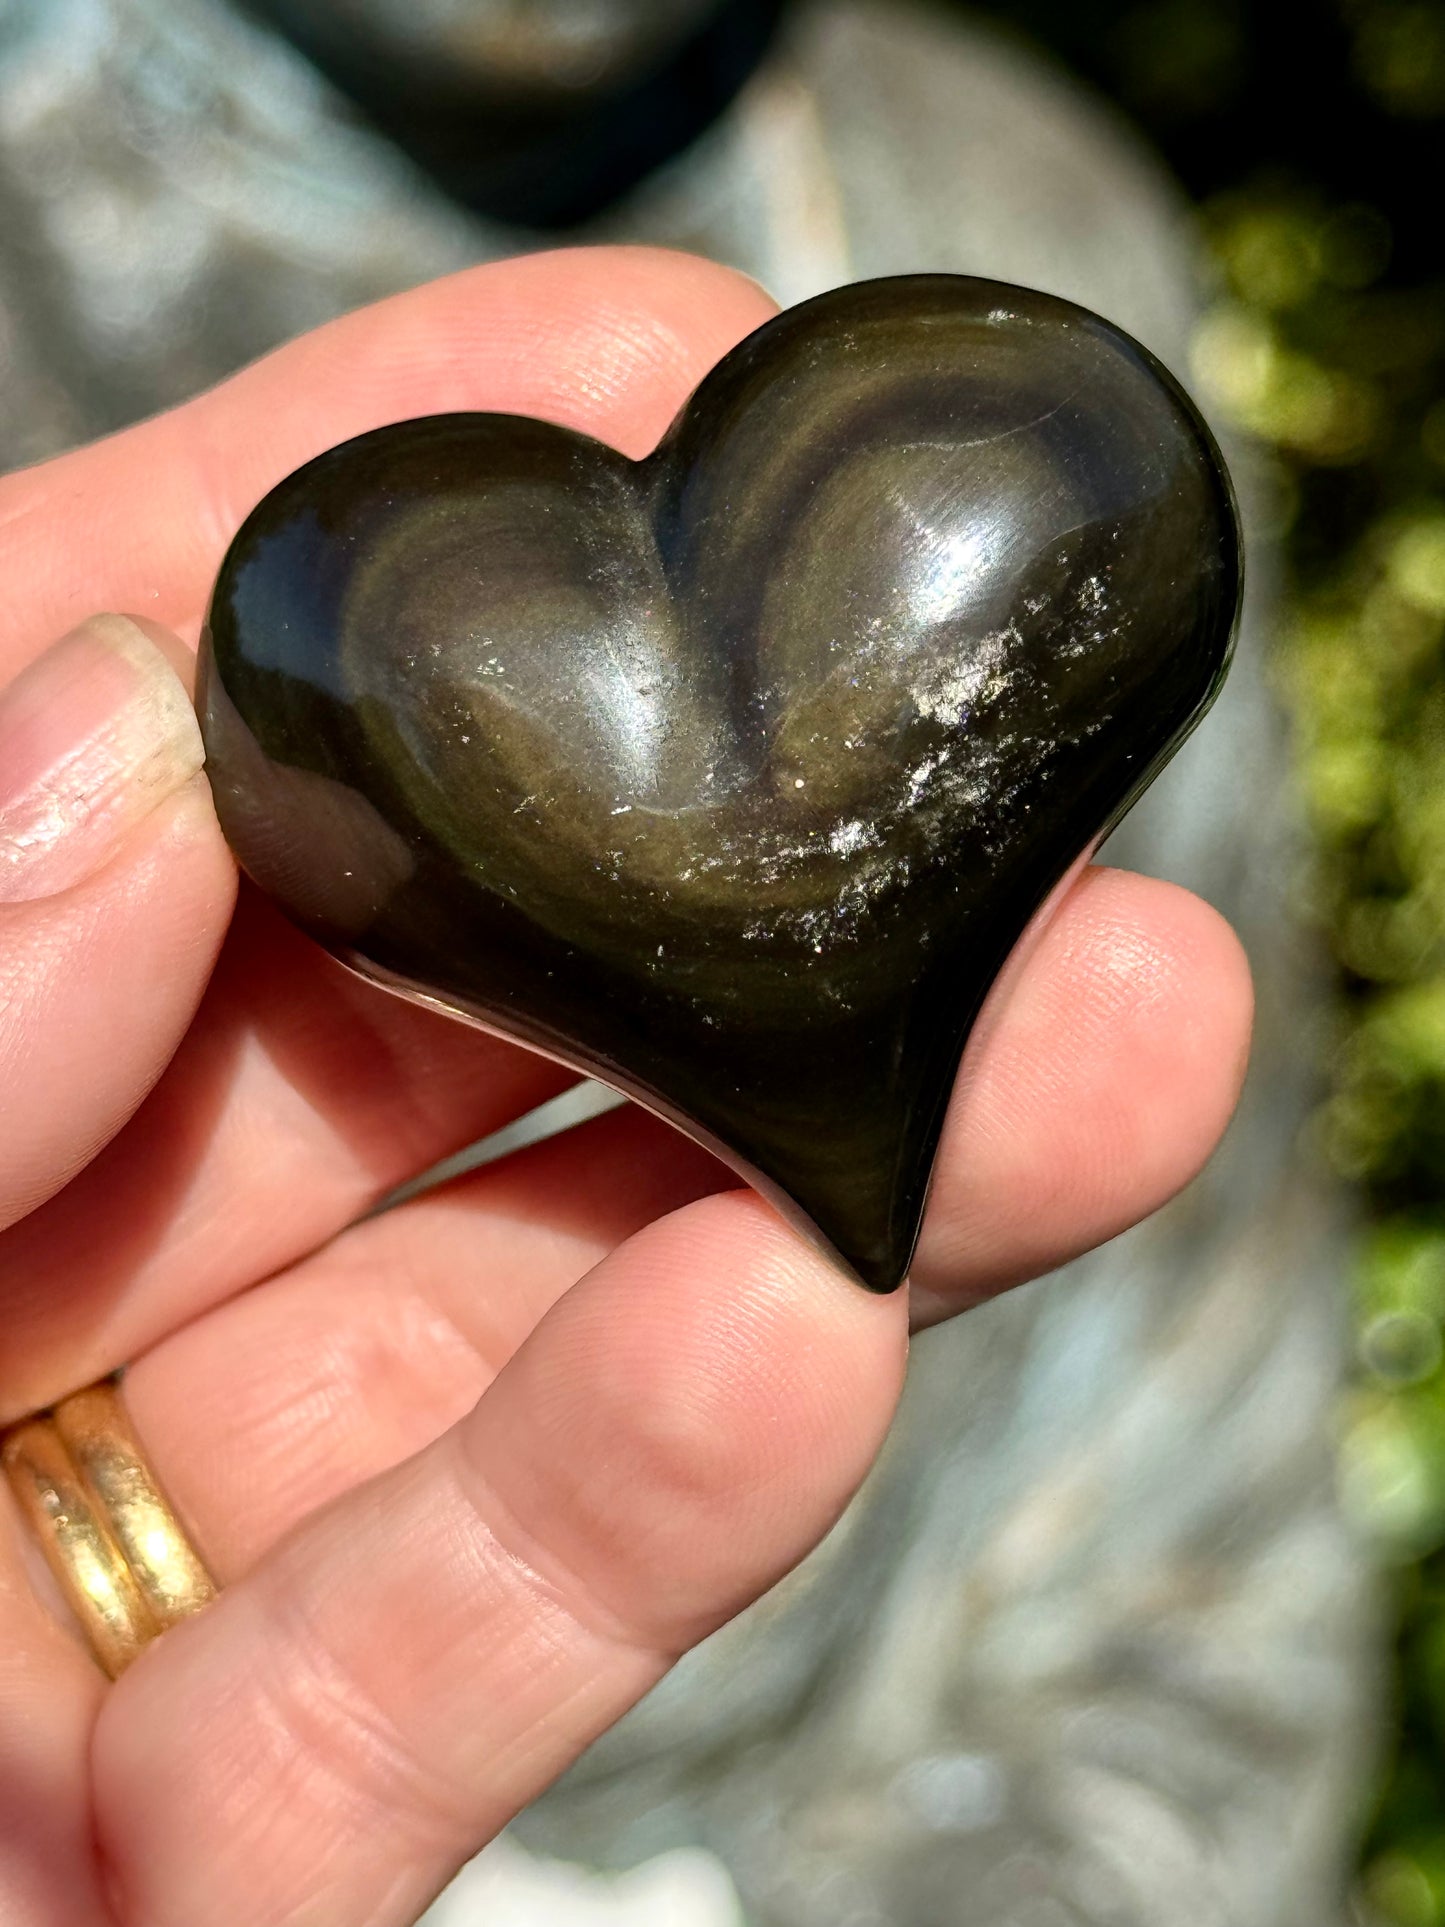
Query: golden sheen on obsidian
[(733, 775)]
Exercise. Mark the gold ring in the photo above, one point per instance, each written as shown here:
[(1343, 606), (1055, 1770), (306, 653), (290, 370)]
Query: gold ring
[(116, 1548)]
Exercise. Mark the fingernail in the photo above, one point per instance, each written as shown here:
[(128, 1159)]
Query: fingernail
[(93, 735)]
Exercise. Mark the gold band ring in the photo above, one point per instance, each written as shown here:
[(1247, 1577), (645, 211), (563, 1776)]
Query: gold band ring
[(95, 1506)]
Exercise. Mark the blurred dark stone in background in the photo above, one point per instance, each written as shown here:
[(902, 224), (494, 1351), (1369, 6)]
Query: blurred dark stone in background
[(576, 102)]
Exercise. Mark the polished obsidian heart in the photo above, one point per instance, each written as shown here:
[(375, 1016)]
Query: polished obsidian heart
[(733, 775)]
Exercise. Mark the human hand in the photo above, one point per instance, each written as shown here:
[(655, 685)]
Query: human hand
[(473, 1473)]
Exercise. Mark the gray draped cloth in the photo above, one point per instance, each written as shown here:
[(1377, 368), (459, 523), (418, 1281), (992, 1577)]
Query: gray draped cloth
[(1093, 1646)]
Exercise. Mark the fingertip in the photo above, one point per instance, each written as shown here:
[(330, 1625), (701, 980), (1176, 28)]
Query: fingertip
[(719, 1389), (726, 1305)]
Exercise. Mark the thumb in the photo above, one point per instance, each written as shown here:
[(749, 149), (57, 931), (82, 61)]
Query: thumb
[(115, 891)]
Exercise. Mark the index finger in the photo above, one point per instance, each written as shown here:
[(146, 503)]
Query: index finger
[(606, 340), (301, 1096)]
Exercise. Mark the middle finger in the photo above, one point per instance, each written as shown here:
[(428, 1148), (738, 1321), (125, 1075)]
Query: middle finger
[(1061, 1133)]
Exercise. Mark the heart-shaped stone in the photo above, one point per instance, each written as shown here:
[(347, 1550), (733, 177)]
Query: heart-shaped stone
[(733, 775)]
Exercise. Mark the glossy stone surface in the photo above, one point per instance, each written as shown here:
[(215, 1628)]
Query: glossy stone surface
[(732, 776)]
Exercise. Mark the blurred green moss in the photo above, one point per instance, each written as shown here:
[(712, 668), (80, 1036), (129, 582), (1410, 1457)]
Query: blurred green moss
[(1312, 137), (1337, 371)]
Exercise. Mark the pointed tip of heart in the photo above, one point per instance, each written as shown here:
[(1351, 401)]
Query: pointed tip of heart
[(875, 1270), (879, 1274), (847, 1149), (879, 1264)]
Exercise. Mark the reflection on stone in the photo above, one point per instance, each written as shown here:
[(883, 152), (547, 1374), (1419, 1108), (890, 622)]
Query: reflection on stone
[(733, 775)]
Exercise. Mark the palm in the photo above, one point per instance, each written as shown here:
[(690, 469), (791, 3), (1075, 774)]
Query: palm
[(464, 1513)]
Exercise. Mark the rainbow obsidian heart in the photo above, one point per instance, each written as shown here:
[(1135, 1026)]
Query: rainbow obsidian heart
[(733, 775)]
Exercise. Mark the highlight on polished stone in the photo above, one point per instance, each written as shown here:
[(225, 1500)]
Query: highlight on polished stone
[(732, 776)]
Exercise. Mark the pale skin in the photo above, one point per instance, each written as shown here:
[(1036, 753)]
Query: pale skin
[(475, 1473)]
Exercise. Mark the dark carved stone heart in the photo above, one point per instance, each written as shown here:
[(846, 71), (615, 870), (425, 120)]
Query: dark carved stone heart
[(733, 775)]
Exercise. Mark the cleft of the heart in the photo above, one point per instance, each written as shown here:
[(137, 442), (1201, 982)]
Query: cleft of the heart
[(732, 776)]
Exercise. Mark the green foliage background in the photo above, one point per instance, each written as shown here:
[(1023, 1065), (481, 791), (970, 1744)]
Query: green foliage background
[(1314, 139)]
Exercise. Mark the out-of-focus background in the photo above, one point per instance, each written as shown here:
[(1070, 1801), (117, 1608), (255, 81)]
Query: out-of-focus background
[(1141, 1622), (1313, 141)]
